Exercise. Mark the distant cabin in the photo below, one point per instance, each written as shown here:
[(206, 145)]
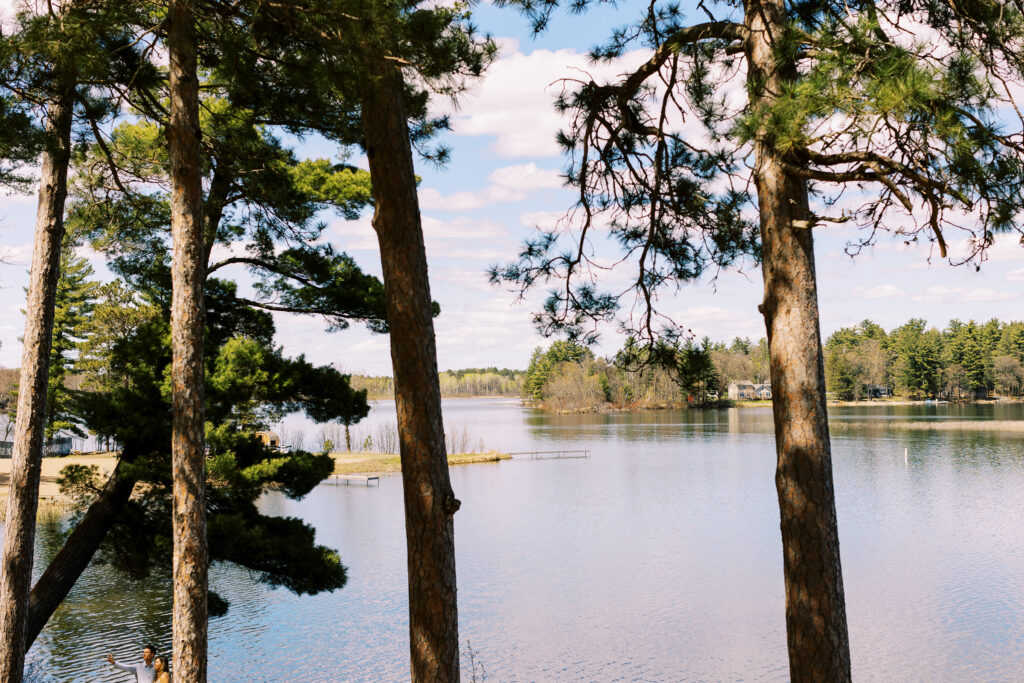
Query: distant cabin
[(270, 440), (877, 391), (741, 391), (748, 391)]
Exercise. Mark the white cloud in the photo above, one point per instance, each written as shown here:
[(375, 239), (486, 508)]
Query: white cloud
[(491, 332), (514, 102), (720, 323), (880, 292), (984, 295), (16, 254), (355, 235), (472, 279), (1005, 249), (526, 177), (1015, 275), (541, 219), (461, 228), (943, 293), (508, 184)]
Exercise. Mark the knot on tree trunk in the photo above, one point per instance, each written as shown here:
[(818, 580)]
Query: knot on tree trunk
[(452, 504)]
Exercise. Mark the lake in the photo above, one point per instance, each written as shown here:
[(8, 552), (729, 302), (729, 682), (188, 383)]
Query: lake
[(658, 558)]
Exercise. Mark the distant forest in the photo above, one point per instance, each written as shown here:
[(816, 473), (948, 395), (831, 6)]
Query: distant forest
[(464, 383), (963, 361)]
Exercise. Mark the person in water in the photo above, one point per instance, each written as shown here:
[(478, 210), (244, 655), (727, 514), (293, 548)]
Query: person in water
[(144, 673), (163, 674)]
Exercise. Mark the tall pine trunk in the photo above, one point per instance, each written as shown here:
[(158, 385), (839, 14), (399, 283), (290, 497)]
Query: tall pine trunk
[(815, 606), (429, 501), (188, 460), (23, 501)]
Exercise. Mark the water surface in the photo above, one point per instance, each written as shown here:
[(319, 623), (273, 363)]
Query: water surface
[(656, 559)]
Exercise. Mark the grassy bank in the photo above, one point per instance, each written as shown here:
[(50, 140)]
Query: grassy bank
[(387, 463), (50, 508)]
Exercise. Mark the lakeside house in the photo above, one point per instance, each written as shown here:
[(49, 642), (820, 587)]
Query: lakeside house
[(877, 391), (748, 391)]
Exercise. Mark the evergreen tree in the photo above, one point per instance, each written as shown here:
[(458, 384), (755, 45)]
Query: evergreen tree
[(188, 462), (1011, 341), (918, 358), (841, 375), (964, 349), (75, 298), (694, 370), (71, 55), (837, 96), (367, 66), (544, 363)]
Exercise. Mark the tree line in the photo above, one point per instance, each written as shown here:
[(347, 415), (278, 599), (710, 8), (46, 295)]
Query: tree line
[(464, 383), (568, 377), (964, 360)]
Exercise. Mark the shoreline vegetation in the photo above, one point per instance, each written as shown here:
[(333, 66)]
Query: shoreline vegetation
[(464, 383), (912, 363), (864, 365)]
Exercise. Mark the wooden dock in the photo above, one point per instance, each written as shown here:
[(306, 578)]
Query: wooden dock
[(552, 455), (348, 479)]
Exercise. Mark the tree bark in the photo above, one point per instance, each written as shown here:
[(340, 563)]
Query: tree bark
[(76, 553), (429, 501), (188, 458), (815, 606), (23, 501)]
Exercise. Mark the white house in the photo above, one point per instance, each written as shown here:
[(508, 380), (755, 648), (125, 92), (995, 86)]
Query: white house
[(748, 391), (742, 391)]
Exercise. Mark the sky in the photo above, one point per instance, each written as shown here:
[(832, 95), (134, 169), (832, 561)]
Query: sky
[(504, 178)]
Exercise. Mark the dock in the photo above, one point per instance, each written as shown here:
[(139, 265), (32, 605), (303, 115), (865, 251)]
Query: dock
[(552, 455), (348, 479)]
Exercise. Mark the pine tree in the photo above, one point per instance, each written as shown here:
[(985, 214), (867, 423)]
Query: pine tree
[(918, 354), (367, 67), (260, 201), (48, 56), (187, 273), (15, 577), (837, 96), (75, 299)]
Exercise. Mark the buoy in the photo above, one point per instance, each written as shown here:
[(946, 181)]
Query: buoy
[(905, 453)]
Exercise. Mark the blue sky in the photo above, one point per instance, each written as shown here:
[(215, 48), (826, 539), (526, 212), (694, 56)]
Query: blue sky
[(504, 178)]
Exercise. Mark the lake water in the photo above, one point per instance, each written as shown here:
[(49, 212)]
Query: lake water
[(656, 559)]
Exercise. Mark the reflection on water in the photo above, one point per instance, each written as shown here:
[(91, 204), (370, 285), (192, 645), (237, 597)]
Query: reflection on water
[(656, 559)]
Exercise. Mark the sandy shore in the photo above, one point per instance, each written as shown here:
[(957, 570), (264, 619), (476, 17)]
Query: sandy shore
[(51, 470), (344, 463)]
